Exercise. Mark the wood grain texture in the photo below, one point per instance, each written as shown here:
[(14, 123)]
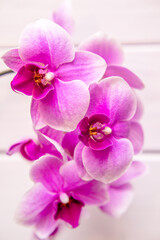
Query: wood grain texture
[(126, 20)]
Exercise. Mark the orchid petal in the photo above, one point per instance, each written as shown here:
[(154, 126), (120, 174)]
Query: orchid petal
[(17, 147), (99, 145), (70, 175), (93, 192), (70, 212), (51, 145), (105, 47), (109, 164), (70, 141), (121, 129), (135, 170), (31, 150), (64, 107), (23, 81), (63, 16), (48, 146), (78, 159), (139, 111), (86, 66), (113, 97), (35, 115), (13, 60), (46, 42), (39, 92), (131, 78), (120, 199), (46, 171), (51, 133), (136, 136), (46, 224), (33, 203)]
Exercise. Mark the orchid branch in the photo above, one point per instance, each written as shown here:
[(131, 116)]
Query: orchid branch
[(5, 72)]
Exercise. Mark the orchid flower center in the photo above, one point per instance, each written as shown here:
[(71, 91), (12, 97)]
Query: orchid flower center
[(69, 209), (43, 77), (64, 198), (95, 131), (98, 130)]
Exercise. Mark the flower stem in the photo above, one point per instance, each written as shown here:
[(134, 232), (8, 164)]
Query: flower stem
[(5, 72)]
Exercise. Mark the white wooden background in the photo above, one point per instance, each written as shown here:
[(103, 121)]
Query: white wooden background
[(136, 24)]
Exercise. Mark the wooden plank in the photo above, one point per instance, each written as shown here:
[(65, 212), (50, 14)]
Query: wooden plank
[(141, 221), (144, 60), (128, 21), (15, 122)]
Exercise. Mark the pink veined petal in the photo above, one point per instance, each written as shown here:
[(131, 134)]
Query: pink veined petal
[(46, 42), (47, 146), (136, 169), (64, 107), (105, 47), (92, 193), (136, 136), (13, 60), (51, 133), (33, 203), (54, 148), (113, 97), (120, 199), (131, 78), (46, 224), (131, 130), (78, 159), (63, 16), (109, 164), (35, 115), (121, 129), (86, 66), (70, 141), (139, 111), (46, 171), (70, 175)]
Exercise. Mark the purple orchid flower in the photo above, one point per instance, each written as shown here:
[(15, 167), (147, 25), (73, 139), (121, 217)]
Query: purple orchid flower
[(111, 51), (33, 150), (104, 152), (106, 133), (121, 191), (52, 72), (57, 196)]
